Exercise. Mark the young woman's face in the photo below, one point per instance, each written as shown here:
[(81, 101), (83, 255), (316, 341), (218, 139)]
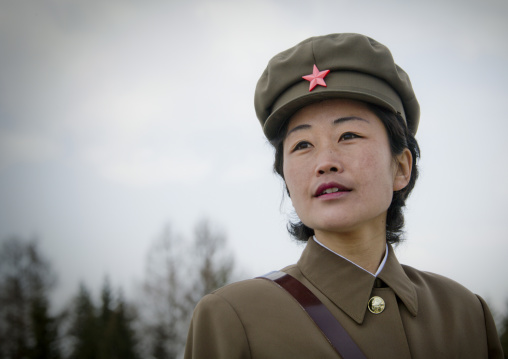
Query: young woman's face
[(339, 169)]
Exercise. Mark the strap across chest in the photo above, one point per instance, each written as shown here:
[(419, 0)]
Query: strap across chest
[(326, 322)]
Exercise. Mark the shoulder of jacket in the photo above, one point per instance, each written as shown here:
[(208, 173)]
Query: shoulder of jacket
[(438, 283), (252, 285), (244, 285), (249, 291)]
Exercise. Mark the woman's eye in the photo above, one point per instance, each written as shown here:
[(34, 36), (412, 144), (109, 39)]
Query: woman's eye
[(302, 145), (348, 136)]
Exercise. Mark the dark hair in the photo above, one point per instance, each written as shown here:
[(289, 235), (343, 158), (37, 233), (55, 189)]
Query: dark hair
[(399, 138)]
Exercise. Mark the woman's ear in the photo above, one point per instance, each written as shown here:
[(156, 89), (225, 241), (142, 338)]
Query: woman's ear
[(404, 163)]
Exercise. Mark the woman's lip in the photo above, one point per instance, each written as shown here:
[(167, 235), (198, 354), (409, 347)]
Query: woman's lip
[(332, 196), (323, 187)]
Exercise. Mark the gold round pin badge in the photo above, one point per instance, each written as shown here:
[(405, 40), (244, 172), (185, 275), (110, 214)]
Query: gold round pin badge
[(376, 305)]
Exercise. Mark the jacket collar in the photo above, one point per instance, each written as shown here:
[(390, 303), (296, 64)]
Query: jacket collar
[(348, 286)]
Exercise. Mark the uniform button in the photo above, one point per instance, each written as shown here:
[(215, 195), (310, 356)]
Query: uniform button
[(376, 305)]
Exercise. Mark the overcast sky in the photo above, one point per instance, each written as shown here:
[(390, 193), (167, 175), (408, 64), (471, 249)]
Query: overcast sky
[(118, 117)]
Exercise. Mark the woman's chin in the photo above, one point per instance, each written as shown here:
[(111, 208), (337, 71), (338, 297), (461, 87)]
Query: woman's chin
[(341, 225)]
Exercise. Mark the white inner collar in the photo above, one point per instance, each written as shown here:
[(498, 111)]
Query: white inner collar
[(379, 269)]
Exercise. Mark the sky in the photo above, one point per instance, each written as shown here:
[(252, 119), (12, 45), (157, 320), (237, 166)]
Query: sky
[(120, 118)]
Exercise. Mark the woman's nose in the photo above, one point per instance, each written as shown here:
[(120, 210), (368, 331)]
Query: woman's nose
[(328, 162), (326, 169)]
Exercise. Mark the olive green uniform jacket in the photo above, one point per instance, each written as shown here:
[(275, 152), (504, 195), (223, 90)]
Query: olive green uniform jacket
[(426, 316)]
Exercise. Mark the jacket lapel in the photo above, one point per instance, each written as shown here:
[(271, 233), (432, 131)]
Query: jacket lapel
[(348, 286)]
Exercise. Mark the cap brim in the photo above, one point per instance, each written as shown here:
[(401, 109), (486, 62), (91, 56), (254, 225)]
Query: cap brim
[(341, 84)]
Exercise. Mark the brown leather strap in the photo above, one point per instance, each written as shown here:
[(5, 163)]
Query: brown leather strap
[(330, 327)]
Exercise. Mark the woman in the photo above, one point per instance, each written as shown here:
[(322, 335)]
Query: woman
[(342, 118)]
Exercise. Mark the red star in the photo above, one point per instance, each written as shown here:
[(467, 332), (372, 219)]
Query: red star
[(317, 78)]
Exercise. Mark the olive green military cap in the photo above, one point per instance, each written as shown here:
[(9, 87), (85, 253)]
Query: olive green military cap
[(350, 66)]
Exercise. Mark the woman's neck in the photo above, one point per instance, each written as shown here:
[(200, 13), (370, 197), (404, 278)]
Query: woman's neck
[(366, 250)]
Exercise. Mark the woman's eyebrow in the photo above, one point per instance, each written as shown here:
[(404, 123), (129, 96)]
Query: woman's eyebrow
[(299, 127), (350, 118)]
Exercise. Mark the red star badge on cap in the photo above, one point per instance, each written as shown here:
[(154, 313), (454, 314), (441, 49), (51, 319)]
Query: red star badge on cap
[(316, 78)]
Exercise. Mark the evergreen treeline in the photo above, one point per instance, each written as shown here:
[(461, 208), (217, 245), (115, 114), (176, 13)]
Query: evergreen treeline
[(154, 325), (103, 332)]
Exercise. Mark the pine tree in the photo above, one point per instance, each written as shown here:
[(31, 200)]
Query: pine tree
[(160, 338), (504, 334), (44, 331), (27, 330), (104, 332), (118, 340), (84, 327), (125, 338)]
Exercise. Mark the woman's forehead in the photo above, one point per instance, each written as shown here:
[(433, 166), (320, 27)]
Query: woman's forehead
[(333, 111)]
